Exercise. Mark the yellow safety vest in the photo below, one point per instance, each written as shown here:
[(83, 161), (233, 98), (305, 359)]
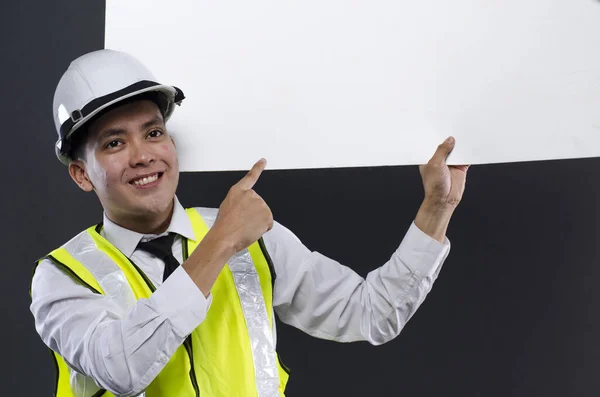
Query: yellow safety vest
[(225, 356)]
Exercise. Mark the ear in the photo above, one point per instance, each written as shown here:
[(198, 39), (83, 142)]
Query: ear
[(173, 140), (80, 176)]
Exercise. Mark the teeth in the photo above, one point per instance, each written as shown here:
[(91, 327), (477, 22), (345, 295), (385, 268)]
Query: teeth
[(146, 180)]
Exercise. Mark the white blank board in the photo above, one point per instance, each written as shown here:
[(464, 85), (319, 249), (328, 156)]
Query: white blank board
[(349, 83)]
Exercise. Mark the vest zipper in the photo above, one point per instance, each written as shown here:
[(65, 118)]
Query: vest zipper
[(190, 351), (263, 248), (283, 366), (188, 340)]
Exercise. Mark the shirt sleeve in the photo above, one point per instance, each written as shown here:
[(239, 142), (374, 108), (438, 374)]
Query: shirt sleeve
[(123, 350), (330, 301)]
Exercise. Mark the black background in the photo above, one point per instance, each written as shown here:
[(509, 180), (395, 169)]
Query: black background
[(514, 312)]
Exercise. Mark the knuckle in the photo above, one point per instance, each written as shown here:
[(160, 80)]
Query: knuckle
[(433, 165), (252, 194), (453, 201)]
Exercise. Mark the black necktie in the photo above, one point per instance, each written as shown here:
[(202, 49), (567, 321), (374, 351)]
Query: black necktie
[(162, 248)]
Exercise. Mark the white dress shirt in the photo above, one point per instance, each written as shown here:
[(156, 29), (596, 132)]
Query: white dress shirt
[(124, 350)]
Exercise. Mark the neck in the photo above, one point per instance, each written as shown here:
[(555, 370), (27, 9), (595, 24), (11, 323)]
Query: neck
[(155, 223)]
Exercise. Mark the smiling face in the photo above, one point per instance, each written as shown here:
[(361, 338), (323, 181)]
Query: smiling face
[(130, 161)]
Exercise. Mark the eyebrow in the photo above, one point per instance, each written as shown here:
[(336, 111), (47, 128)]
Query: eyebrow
[(156, 120), (111, 132)]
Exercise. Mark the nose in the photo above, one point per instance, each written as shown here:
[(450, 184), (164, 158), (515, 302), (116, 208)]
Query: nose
[(140, 153)]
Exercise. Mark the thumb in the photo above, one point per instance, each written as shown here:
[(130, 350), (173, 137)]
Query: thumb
[(443, 150)]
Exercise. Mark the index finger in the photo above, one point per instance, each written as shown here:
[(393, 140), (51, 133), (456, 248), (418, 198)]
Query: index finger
[(250, 179)]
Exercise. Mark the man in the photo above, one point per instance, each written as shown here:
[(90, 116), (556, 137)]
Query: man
[(125, 318)]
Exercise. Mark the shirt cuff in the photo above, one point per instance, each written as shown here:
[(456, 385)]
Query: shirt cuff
[(421, 253), (182, 302)]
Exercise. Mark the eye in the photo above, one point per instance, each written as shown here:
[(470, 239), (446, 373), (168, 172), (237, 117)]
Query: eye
[(155, 133), (113, 144)]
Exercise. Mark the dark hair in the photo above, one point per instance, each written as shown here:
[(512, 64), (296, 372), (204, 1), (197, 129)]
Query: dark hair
[(77, 142)]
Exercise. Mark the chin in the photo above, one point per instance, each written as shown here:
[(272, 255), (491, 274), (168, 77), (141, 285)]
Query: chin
[(159, 206), (153, 205)]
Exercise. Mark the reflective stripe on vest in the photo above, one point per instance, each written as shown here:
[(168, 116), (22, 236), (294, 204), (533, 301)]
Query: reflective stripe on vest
[(232, 349)]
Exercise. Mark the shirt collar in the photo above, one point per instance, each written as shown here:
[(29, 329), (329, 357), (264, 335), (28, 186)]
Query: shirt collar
[(127, 240)]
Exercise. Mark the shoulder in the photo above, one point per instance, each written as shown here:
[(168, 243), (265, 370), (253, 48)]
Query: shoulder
[(49, 275), (75, 241), (48, 263)]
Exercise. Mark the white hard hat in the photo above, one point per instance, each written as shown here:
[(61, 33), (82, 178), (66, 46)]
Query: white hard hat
[(94, 82)]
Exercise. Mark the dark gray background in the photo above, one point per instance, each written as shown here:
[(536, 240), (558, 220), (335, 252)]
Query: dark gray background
[(515, 310)]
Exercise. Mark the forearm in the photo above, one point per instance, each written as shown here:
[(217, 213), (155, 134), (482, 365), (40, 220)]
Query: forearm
[(319, 296), (122, 349), (207, 260), (433, 219), (124, 356)]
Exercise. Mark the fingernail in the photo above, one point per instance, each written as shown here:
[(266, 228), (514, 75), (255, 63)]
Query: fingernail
[(450, 139)]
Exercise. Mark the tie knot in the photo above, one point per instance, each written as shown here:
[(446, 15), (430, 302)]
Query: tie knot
[(160, 247)]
